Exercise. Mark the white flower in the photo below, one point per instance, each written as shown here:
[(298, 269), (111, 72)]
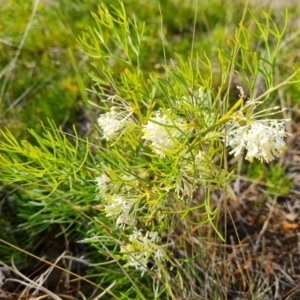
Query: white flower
[(119, 196), (163, 133), (121, 209), (263, 139), (103, 184), (141, 249), (114, 123)]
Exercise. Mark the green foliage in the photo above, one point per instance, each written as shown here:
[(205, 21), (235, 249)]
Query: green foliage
[(50, 178), (274, 178), (39, 79), (151, 65)]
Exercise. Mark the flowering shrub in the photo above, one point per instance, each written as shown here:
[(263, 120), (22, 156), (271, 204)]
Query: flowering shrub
[(165, 139), (167, 166)]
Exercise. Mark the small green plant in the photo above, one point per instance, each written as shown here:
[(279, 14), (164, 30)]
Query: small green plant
[(277, 182), (165, 137), (164, 141)]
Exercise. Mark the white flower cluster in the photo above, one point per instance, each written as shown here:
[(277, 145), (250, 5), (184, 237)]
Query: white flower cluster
[(121, 202), (263, 139), (163, 133), (121, 207), (114, 123), (141, 249), (103, 182)]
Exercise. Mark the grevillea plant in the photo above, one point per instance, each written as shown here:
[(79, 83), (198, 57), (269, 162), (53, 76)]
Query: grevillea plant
[(165, 136)]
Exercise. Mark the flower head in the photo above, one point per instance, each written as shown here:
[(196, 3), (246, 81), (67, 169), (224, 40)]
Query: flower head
[(103, 182), (263, 139), (121, 209), (141, 249), (114, 123), (163, 133)]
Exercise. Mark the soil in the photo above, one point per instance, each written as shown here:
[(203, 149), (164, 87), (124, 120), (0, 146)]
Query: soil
[(263, 237)]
